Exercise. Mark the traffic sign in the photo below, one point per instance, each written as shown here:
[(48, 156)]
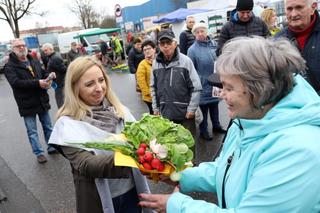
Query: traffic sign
[(117, 10)]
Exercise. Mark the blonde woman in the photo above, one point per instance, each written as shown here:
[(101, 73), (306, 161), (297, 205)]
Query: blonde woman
[(269, 16), (91, 112)]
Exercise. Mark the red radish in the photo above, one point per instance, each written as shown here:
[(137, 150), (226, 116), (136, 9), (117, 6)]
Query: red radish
[(141, 159), (155, 163), (147, 166), (140, 151), (160, 167), (143, 145), (148, 156)]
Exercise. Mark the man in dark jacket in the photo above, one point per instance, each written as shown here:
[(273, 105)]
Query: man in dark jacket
[(242, 23), (186, 37), (56, 65), (135, 56), (29, 83), (175, 84), (304, 31), (74, 52)]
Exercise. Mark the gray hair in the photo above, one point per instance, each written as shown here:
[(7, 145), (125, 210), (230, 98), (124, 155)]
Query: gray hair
[(266, 66), (308, 2), (47, 45)]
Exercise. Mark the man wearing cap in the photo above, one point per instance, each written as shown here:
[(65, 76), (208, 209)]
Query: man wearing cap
[(304, 31), (175, 84), (186, 37), (202, 53), (242, 23)]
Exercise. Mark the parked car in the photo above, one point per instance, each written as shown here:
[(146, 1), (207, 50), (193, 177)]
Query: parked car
[(4, 57)]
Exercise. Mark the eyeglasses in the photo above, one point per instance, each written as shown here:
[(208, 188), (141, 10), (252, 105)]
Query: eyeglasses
[(147, 49), (19, 46), (165, 42)]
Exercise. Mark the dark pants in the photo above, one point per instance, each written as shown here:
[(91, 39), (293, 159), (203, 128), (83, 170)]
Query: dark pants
[(127, 203), (59, 96), (189, 124), (213, 110), (149, 104)]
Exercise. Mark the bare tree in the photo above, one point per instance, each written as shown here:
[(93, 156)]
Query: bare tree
[(108, 22), (12, 11), (85, 12)]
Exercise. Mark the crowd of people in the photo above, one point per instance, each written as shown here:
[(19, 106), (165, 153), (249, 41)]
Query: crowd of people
[(270, 78)]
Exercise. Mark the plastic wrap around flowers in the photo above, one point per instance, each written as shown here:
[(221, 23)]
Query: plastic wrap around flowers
[(157, 146)]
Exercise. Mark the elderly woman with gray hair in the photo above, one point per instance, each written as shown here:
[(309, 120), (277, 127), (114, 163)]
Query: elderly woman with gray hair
[(270, 161), (202, 53)]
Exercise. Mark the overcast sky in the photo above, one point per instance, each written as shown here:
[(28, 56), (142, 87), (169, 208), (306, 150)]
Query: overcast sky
[(57, 14)]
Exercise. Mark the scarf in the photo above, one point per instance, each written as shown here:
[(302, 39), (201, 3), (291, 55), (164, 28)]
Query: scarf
[(104, 117), (303, 35)]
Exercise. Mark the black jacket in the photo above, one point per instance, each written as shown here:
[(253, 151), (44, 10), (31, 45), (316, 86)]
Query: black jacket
[(235, 28), (134, 59), (186, 39), (30, 97), (311, 52), (73, 55), (56, 64)]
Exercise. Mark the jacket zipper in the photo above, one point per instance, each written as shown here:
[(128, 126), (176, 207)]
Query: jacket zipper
[(170, 77), (229, 162)]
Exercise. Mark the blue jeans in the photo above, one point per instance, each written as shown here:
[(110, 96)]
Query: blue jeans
[(31, 125), (213, 110)]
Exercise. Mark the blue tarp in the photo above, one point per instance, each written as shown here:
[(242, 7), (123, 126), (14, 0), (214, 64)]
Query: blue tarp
[(178, 15)]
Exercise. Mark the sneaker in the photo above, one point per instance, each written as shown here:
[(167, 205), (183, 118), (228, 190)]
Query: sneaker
[(41, 159), (219, 130), (206, 136), (51, 150)]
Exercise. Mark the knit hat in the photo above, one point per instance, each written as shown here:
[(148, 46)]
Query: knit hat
[(199, 25), (244, 5)]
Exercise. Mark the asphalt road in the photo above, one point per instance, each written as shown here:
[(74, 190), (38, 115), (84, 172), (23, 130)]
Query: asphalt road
[(35, 188)]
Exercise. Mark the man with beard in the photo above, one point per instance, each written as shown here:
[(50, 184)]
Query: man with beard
[(29, 83)]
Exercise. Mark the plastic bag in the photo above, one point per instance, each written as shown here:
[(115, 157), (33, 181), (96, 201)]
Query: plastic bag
[(198, 116)]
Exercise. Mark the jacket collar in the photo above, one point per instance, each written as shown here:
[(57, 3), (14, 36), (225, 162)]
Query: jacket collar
[(13, 59), (316, 28), (161, 59)]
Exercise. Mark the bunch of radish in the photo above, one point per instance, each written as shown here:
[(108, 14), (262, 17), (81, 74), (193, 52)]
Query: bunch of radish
[(148, 159)]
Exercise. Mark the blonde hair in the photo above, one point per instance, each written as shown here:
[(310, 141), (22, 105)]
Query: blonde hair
[(267, 14), (73, 105)]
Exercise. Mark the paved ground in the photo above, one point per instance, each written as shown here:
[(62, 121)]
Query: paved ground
[(31, 187)]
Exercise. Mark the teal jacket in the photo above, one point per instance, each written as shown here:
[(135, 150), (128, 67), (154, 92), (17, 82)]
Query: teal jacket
[(276, 163)]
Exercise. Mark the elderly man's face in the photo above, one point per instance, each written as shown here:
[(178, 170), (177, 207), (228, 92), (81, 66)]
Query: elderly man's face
[(19, 48), (47, 51), (244, 15), (201, 34), (299, 13), (167, 47)]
